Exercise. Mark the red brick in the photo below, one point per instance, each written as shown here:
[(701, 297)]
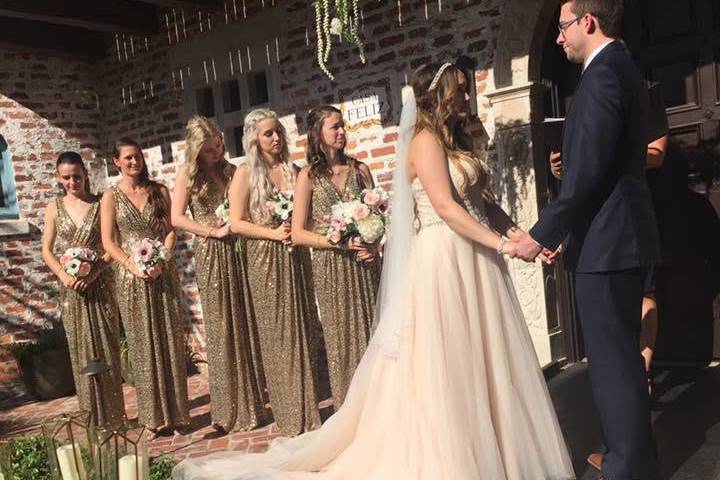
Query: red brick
[(383, 151)]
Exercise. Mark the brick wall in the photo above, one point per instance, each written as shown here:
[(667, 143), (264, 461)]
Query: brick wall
[(140, 96), (47, 105)]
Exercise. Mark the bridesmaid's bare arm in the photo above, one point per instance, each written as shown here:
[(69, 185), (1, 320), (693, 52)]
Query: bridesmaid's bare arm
[(178, 211), (109, 234), (48, 243), (239, 199), (301, 214)]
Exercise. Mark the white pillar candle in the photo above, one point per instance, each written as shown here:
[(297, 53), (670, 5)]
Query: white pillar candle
[(70, 468), (2, 477), (130, 468)]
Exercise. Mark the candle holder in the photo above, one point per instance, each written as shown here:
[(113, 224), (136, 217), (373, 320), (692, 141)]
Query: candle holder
[(122, 453), (69, 440)]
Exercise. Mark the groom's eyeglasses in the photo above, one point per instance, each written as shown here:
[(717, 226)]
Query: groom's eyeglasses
[(562, 26)]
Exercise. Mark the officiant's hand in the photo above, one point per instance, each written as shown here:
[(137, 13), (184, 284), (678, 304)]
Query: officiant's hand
[(556, 167), (527, 248)]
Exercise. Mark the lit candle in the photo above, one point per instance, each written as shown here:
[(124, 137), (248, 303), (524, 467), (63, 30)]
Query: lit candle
[(130, 468), (71, 467)]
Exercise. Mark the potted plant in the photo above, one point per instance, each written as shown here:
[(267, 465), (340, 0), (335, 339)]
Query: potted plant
[(45, 365)]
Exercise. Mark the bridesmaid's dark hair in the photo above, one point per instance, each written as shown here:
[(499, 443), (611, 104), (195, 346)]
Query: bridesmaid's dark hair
[(155, 197), (74, 158), (315, 156)]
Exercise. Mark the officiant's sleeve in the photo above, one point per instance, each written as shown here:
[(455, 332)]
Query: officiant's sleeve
[(589, 150)]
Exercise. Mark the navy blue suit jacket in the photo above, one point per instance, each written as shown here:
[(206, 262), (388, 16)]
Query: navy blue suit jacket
[(604, 210)]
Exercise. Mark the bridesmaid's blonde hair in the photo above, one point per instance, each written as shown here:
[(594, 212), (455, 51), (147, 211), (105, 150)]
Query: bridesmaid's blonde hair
[(199, 130), (261, 188)]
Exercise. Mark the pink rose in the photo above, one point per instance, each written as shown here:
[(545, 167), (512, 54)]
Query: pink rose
[(154, 271), (337, 224), (361, 212), (270, 205), (84, 270), (335, 237), (371, 198), (65, 259)]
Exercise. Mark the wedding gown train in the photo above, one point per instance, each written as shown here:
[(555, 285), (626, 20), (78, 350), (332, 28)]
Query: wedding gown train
[(464, 399)]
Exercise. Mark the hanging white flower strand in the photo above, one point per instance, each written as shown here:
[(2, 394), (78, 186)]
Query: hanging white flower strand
[(343, 22)]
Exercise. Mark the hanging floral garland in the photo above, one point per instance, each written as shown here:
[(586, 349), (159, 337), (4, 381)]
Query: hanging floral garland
[(340, 18)]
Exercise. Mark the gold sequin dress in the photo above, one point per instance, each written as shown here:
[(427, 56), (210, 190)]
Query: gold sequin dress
[(281, 285), (155, 331), (346, 290), (235, 391), (91, 319)]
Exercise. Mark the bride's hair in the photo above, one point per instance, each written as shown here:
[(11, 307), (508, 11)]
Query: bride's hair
[(442, 111)]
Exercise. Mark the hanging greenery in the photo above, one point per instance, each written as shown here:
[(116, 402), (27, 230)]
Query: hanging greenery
[(340, 18)]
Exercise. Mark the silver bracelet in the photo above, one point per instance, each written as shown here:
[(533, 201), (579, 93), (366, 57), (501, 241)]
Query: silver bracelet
[(503, 240)]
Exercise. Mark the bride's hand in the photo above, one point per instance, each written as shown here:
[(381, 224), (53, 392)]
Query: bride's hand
[(510, 248)]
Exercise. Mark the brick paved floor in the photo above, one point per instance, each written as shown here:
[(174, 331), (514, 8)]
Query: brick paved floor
[(686, 419), (20, 415)]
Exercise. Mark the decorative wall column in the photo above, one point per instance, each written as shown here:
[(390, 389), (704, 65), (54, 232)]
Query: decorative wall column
[(517, 186)]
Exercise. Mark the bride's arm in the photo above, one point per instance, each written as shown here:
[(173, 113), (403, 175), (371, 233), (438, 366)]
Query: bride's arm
[(427, 161)]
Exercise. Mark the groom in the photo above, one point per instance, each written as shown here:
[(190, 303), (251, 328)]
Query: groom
[(605, 217)]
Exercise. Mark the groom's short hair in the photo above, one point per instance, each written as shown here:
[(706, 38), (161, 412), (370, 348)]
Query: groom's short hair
[(608, 12)]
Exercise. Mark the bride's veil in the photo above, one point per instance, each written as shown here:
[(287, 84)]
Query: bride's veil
[(392, 295)]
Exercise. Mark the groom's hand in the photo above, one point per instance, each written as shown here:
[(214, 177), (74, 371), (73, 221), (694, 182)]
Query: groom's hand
[(527, 248)]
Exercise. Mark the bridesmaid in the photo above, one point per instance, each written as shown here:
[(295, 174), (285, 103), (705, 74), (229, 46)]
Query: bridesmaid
[(202, 184), (280, 279), (346, 276), (139, 208), (89, 313)]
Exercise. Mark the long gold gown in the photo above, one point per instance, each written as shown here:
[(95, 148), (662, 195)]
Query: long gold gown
[(281, 285), (346, 290), (91, 319), (151, 316), (235, 389)]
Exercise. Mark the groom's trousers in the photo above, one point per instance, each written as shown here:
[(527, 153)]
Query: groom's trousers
[(609, 306)]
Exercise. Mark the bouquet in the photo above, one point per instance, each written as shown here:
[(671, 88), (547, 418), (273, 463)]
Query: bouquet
[(222, 212), (364, 218), (78, 261), (280, 207), (149, 255)]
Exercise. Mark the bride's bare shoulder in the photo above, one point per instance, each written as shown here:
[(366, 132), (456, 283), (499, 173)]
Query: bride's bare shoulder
[(425, 144)]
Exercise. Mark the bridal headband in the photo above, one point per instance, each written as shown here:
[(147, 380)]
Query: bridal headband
[(439, 73)]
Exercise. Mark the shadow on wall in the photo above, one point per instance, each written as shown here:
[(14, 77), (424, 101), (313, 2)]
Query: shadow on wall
[(512, 164)]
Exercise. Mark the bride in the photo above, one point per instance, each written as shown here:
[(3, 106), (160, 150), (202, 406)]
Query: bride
[(450, 387)]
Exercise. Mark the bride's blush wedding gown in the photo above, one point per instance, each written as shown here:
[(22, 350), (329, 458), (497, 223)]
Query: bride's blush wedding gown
[(464, 399)]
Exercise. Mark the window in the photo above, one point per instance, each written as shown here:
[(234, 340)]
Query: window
[(231, 96), (234, 143), (205, 102), (8, 200), (258, 90)]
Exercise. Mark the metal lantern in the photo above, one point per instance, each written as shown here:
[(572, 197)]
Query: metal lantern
[(70, 442), (122, 453)]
